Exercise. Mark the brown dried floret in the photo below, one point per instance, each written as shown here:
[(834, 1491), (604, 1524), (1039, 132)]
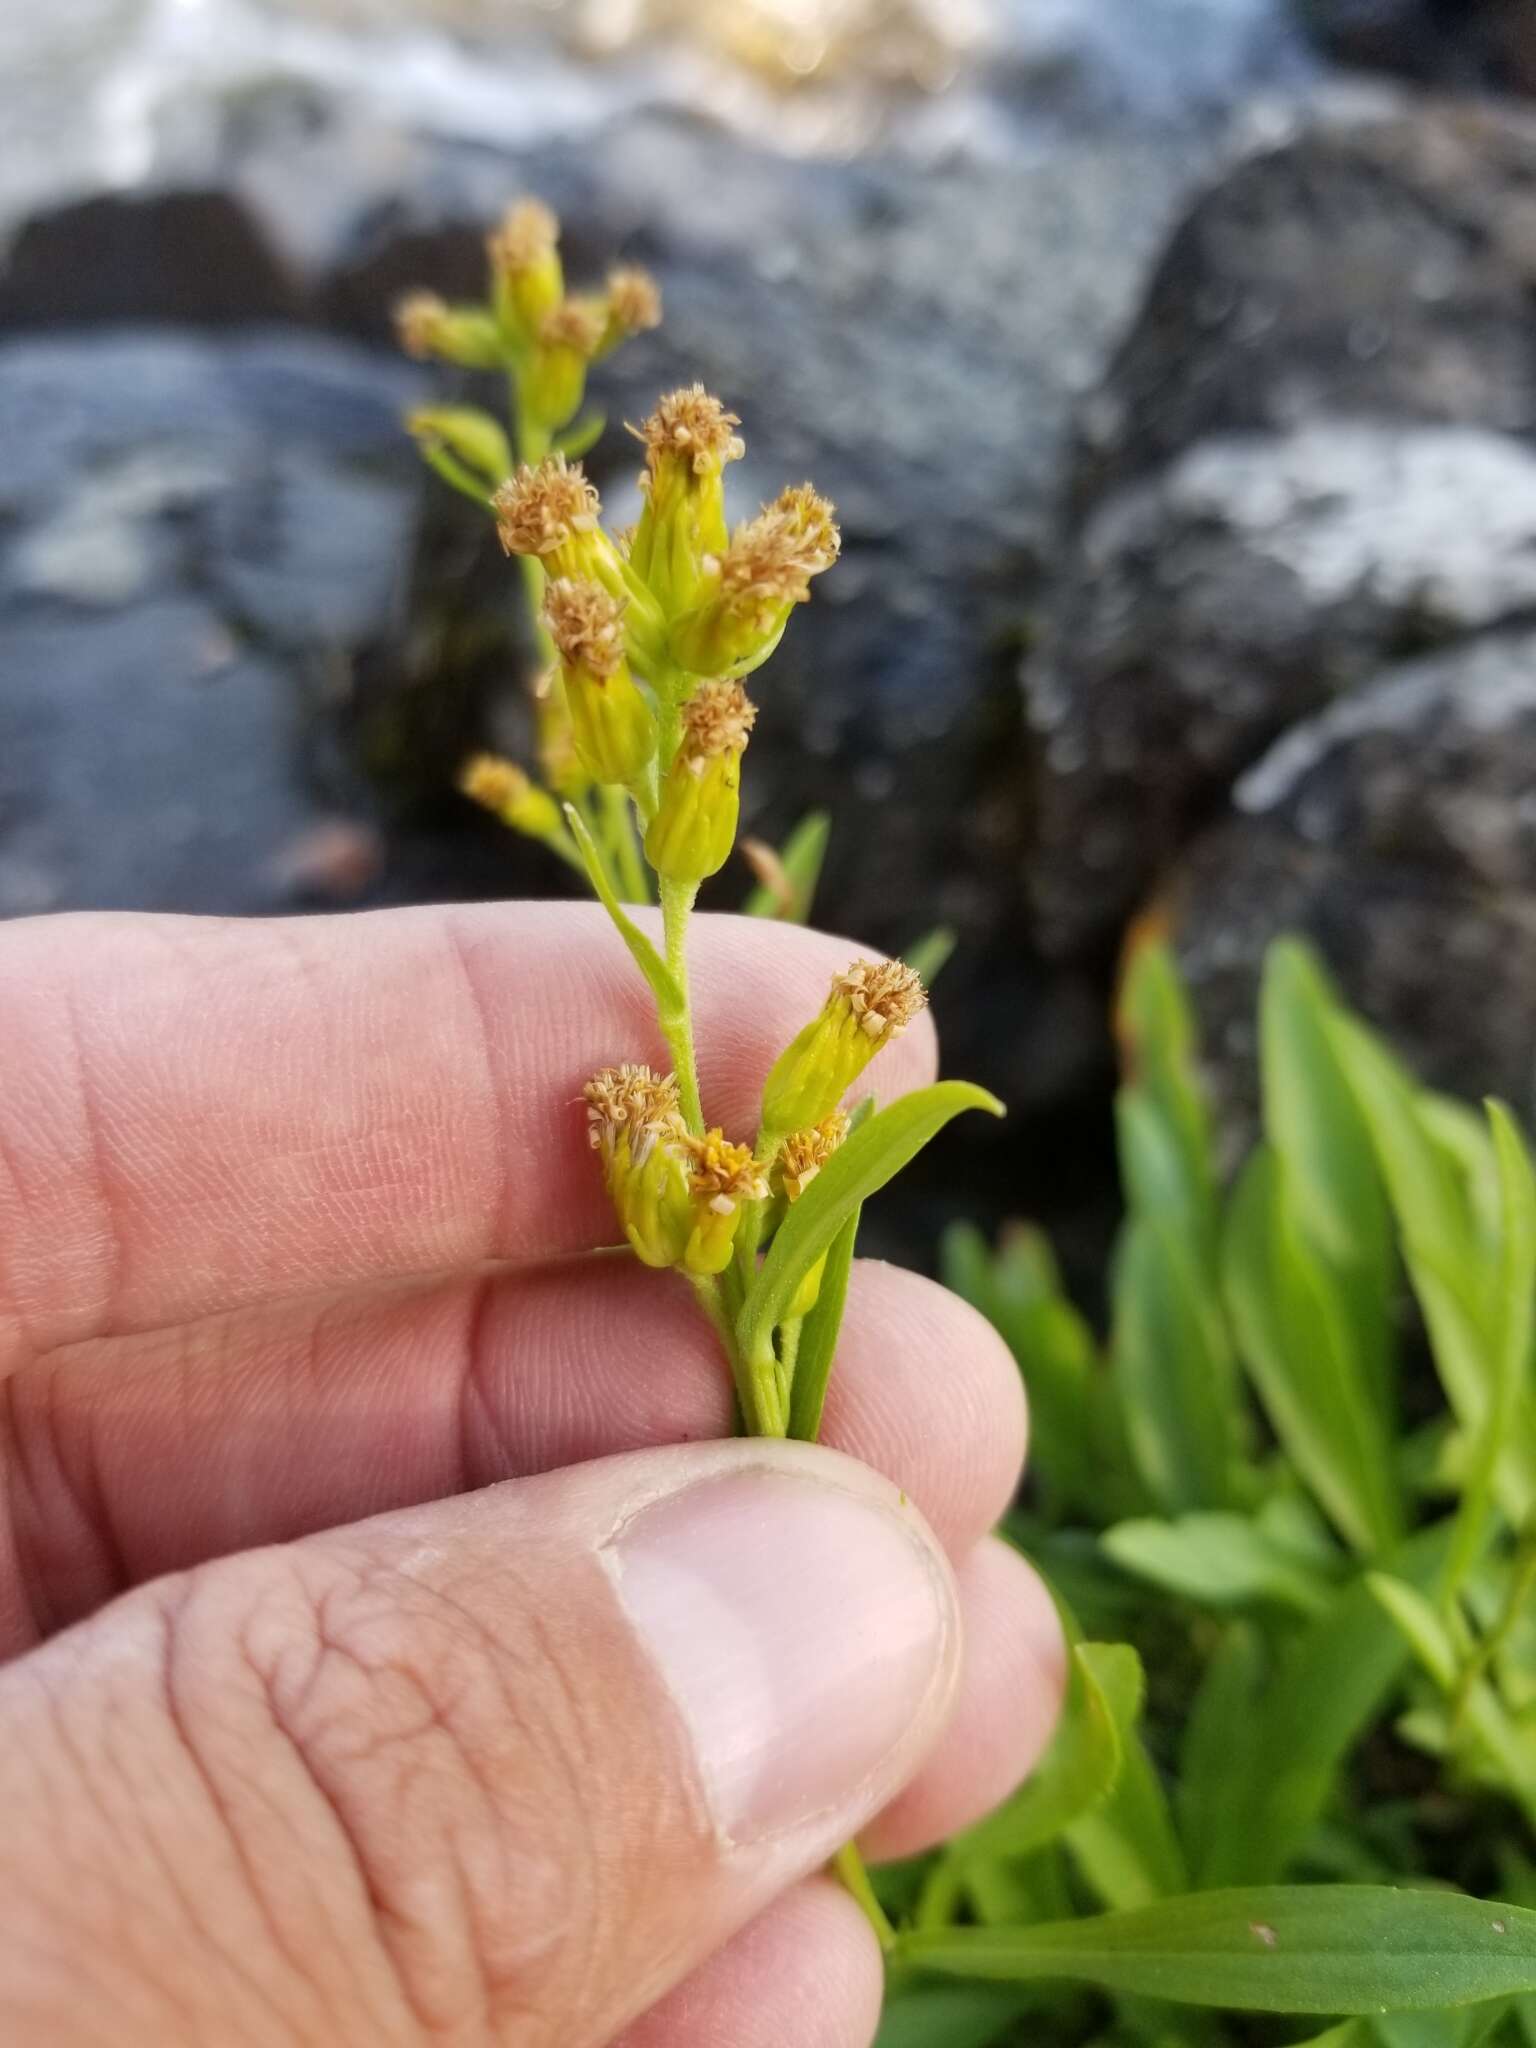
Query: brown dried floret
[(634, 1099), (765, 565), (812, 519), (805, 1153), (586, 623), (724, 1173), (541, 508), (574, 324), (716, 720), (884, 995), (525, 237), (693, 426), (419, 321), (634, 299)]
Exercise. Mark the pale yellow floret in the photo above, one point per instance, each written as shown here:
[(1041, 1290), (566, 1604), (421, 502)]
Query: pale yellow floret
[(884, 995), (525, 237), (716, 720), (724, 1174), (691, 426), (543, 507), (634, 300), (805, 1153), (586, 623)]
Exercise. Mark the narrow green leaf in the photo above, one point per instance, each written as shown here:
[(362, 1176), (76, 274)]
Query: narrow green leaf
[(1173, 1369), (1128, 1849), (1221, 1561), (668, 995), (583, 434), (818, 1337), (929, 955), (960, 2017), (1516, 1299), (801, 858), (1217, 1749), (1299, 1949), (868, 1158), (1160, 1051), (1077, 1773), (1297, 1341)]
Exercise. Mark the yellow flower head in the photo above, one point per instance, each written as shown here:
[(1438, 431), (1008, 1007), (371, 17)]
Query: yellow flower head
[(634, 301), (870, 1003), (692, 431), (613, 726), (526, 236), (724, 1177), (501, 787), (575, 324), (547, 509), (630, 1101), (750, 590), (694, 828), (421, 322), (634, 1122), (586, 623), (717, 719), (805, 1153)]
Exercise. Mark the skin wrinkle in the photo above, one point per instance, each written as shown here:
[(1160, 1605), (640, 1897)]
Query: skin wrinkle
[(462, 951)]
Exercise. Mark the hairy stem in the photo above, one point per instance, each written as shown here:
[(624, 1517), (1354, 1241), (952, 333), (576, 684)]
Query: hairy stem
[(677, 900)]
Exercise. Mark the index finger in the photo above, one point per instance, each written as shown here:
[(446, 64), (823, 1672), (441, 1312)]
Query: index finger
[(199, 1115)]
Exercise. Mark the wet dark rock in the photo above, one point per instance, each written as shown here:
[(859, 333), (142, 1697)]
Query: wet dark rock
[(1460, 43), (1312, 458), (1398, 831)]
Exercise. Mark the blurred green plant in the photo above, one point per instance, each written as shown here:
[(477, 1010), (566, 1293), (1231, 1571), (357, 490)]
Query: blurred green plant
[(1300, 1727)]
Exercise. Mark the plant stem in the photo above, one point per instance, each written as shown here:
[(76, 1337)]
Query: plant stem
[(619, 820), (583, 809), (849, 1866), (677, 900)]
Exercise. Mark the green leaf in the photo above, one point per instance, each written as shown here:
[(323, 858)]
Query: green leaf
[(864, 1163), (1160, 1050), (800, 858), (1217, 1750), (669, 996), (1173, 1370), (1128, 1848), (1516, 1298), (1319, 1696), (1220, 1561), (968, 2017), (1279, 1948), (1077, 1773), (929, 955), (818, 1337), (583, 434), (1298, 1341)]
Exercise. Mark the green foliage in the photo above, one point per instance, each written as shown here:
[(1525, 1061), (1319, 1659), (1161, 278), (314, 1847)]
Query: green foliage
[(1284, 1790)]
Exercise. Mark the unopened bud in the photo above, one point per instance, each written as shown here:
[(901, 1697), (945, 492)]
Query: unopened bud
[(694, 828), (501, 787), (428, 326), (612, 724), (870, 1004), (470, 436)]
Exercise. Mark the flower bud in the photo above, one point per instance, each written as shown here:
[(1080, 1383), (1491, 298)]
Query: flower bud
[(613, 725), (694, 828), (688, 439), (471, 437), (502, 787), (746, 596), (724, 1178), (551, 511), (428, 326), (559, 762), (803, 1155), (633, 307), (556, 378), (870, 1004), (634, 1121), (527, 282)]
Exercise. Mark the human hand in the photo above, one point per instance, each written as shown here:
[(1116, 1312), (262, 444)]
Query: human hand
[(393, 1655)]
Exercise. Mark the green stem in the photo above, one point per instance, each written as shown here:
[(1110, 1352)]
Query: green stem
[(849, 1866), (583, 809), (1522, 1583), (677, 900), (766, 1413)]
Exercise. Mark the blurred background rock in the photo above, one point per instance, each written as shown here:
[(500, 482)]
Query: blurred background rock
[(1172, 363)]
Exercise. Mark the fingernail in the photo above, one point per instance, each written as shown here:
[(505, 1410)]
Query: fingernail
[(806, 1632)]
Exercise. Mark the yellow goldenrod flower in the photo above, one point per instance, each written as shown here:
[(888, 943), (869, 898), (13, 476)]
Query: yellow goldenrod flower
[(550, 510), (746, 596), (688, 439), (724, 1177), (428, 326), (556, 381), (527, 282), (471, 437), (803, 1155), (634, 1121), (870, 1004), (691, 835), (612, 724), (502, 787), (633, 306)]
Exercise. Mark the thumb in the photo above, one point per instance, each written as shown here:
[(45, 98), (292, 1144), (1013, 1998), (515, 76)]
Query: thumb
[(506, 1767)]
